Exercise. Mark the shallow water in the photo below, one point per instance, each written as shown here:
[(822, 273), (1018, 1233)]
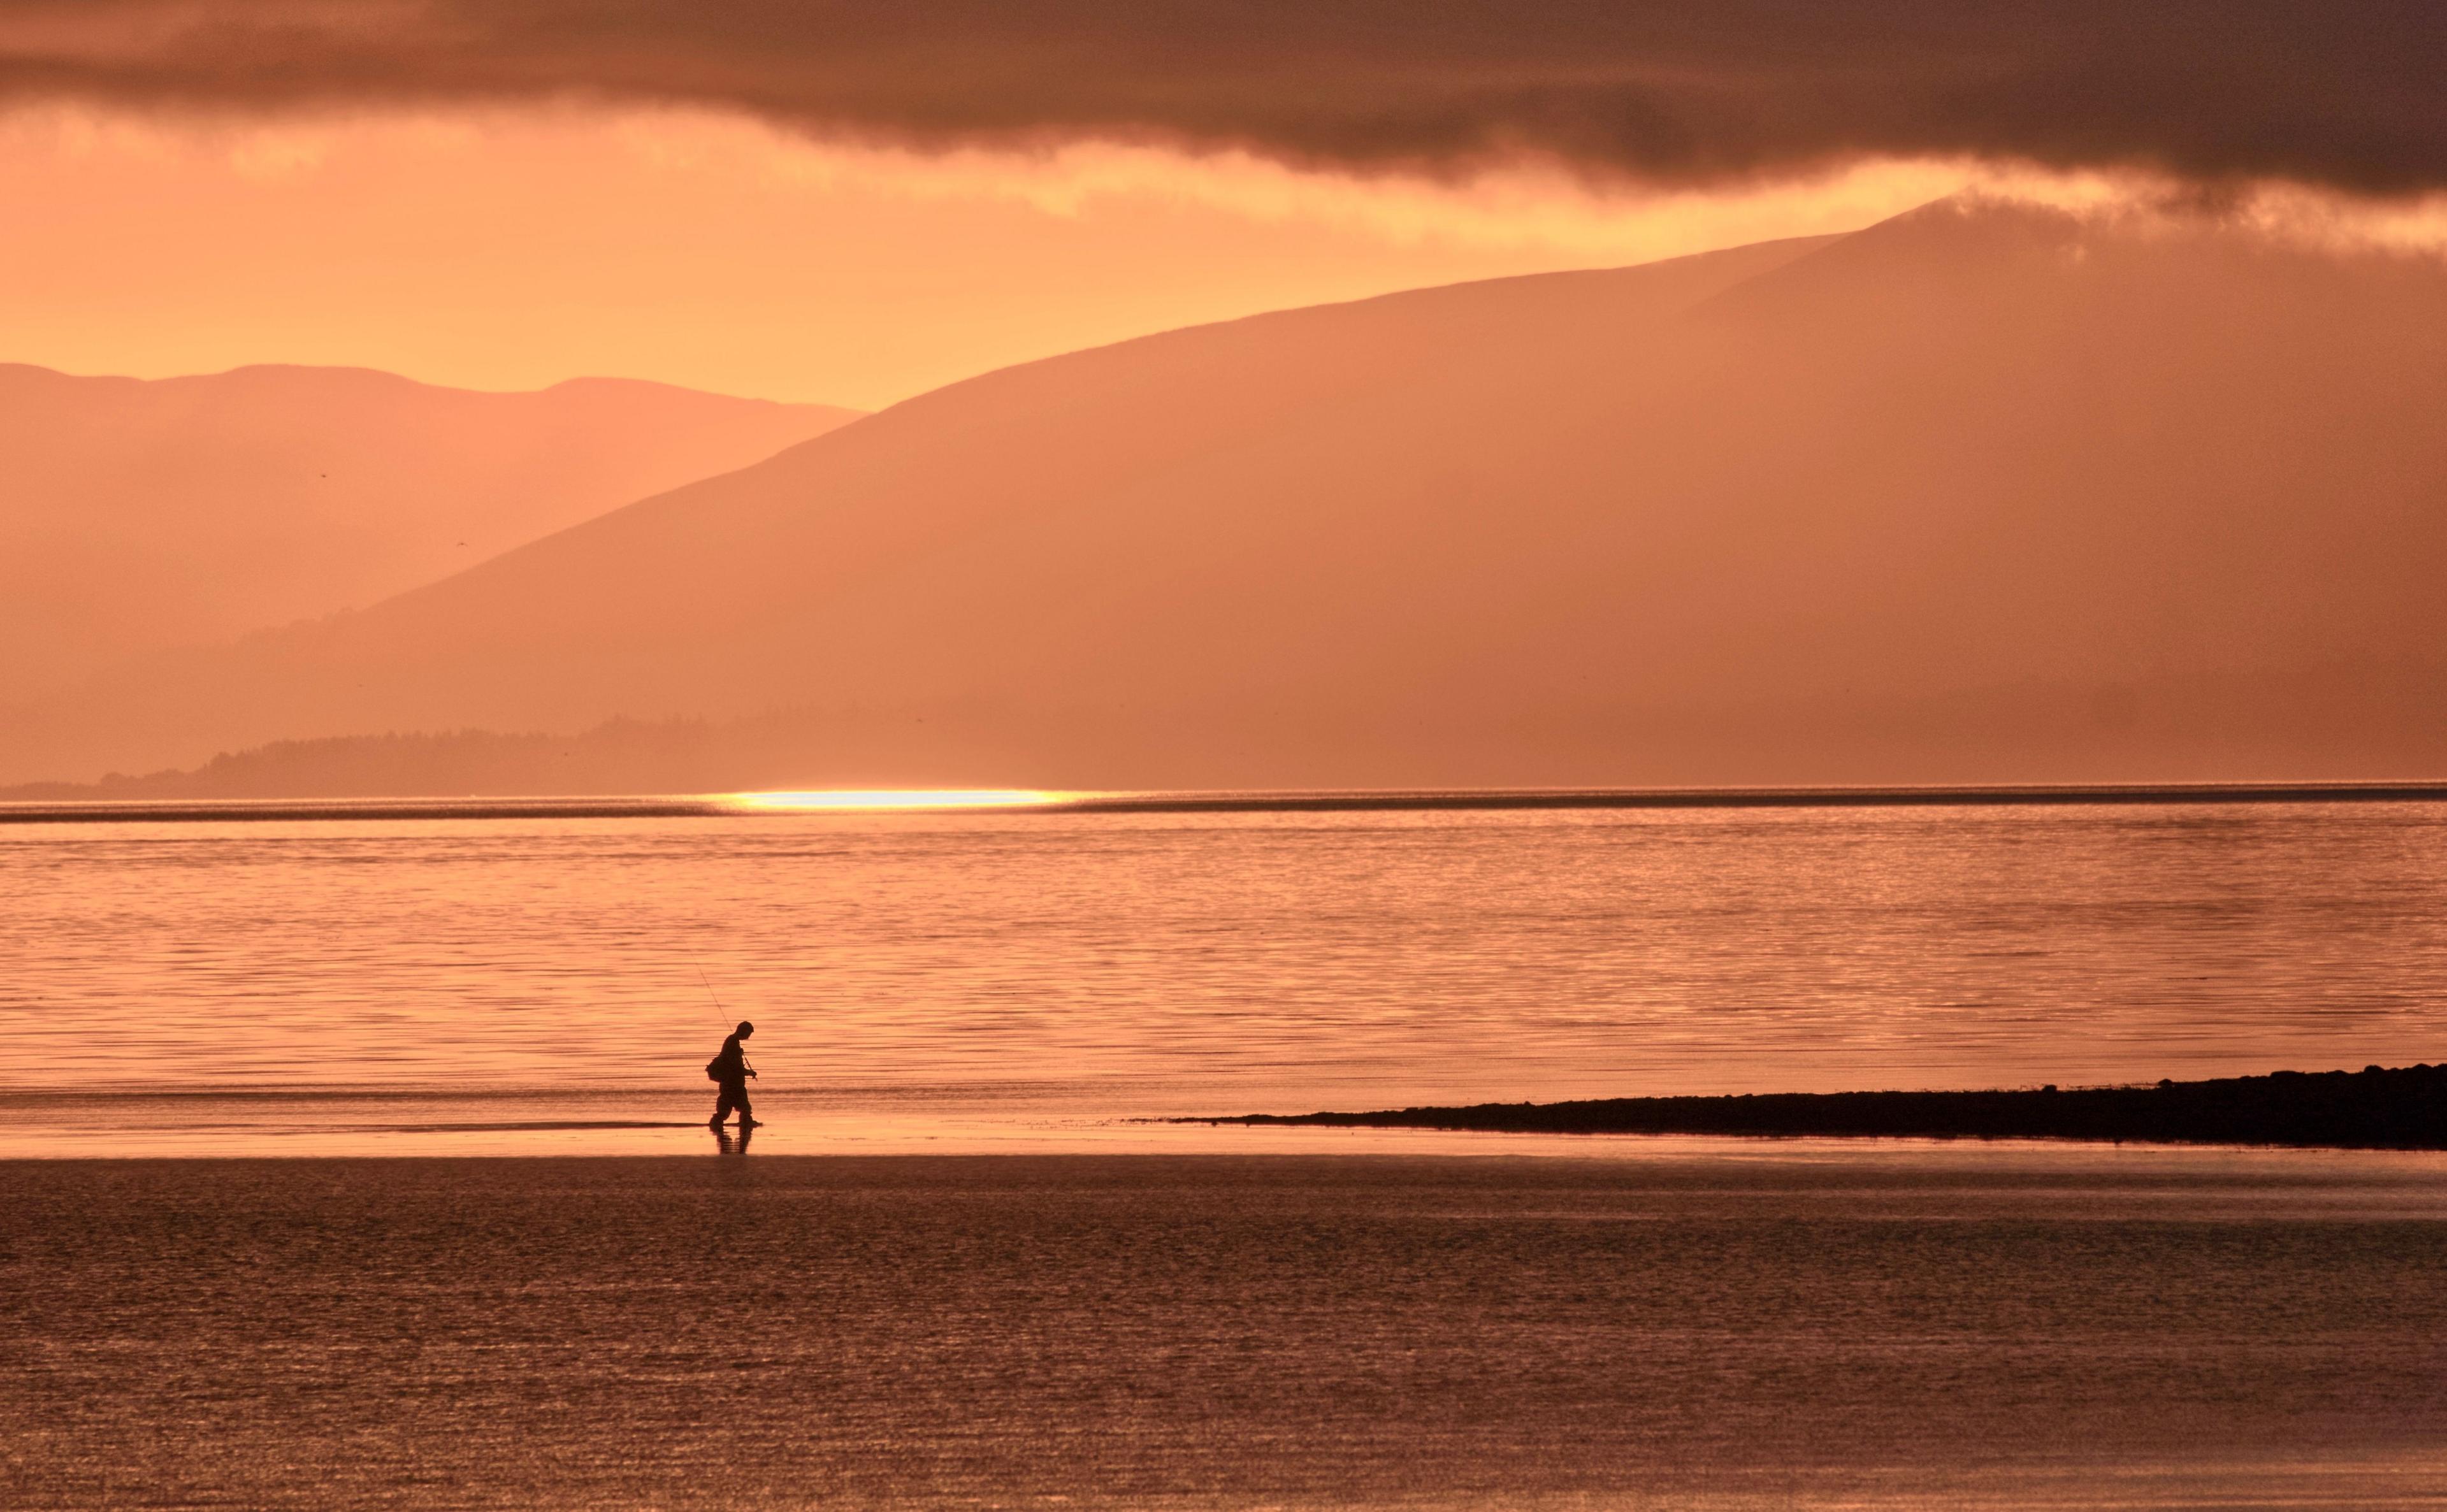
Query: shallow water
[(1074, 1307), (1054, 967), (1694, 1326)]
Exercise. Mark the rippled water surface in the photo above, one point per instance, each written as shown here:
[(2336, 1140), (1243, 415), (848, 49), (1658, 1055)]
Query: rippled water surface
[(1152, 962), (1216, 1317), (1694, 1326)]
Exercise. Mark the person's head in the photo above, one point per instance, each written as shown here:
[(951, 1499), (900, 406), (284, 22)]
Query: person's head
[(746, 1028)]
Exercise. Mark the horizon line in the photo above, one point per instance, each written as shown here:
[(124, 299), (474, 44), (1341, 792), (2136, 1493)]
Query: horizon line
[(1018, 801)]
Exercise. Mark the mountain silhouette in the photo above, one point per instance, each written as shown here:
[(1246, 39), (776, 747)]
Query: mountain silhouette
[(137, 516), (1984, 492)]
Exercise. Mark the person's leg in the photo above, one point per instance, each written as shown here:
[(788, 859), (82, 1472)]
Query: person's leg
[(722, 1105), (746, 1118)]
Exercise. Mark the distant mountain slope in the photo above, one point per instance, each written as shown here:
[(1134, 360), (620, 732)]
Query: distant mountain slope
[(140, 515), (1978, 494)]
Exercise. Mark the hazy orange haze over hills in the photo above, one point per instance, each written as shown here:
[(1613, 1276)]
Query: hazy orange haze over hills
[(136, 516), (1981, 493)]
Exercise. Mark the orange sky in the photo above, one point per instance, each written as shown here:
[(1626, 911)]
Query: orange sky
[(511, 248), (510, 192)]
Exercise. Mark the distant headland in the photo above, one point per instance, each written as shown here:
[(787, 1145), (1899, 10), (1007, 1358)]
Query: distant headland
[(2378, 1107)]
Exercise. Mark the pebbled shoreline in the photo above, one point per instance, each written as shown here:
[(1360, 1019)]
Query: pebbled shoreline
[(2378, 1107)]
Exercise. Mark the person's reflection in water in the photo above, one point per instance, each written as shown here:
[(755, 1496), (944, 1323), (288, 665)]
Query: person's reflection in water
[(729, 1143)]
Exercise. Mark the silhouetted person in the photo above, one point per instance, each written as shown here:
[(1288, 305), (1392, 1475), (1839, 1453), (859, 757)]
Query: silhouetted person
[(731, 1072)]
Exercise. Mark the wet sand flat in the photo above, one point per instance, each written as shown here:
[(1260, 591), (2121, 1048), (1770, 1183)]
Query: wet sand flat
[(1895, 1327)]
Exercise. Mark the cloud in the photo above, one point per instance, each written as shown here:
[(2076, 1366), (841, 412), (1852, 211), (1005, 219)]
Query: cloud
[(1685, 93)]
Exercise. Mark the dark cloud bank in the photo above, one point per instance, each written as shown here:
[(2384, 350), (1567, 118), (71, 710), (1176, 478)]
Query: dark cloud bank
[(2341, 92)]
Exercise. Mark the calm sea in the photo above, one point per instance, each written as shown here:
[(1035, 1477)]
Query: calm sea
[(985, 967), (1002, 1290)]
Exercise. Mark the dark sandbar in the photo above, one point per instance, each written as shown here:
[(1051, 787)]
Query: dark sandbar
[(2374, 1108)]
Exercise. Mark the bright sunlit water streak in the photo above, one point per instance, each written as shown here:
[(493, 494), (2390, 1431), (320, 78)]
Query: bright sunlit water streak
[(912, 799)]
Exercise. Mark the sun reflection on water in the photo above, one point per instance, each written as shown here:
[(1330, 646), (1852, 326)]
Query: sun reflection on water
[(910, 798)]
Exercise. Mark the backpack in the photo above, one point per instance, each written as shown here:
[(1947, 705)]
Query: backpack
[(714, 1069)]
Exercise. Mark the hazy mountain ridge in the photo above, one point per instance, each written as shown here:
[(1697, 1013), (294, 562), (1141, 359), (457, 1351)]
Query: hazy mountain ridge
[(2167, 730), (141, 513), (1826, 511)]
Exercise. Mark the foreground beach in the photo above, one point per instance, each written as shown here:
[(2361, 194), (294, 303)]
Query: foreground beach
[(1797, 1326), (2404, 1108)]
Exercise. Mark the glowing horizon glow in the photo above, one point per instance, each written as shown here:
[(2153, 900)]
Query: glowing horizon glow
[(894, 798), (779, 266)]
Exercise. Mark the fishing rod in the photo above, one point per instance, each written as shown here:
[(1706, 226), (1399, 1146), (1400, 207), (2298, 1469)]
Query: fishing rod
[(711, 996)]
